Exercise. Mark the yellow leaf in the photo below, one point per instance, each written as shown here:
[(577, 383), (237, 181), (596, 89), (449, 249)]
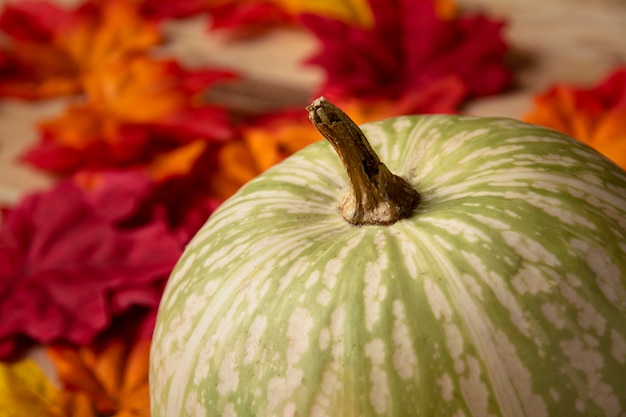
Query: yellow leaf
[(25, 391)]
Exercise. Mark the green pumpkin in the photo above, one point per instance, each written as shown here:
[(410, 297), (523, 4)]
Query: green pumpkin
[(503, 293)]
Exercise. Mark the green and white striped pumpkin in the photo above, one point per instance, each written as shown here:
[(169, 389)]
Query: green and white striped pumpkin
[(504, 294)]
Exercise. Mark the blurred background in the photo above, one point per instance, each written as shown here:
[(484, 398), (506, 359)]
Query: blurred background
[(125, 123), (555, 41)]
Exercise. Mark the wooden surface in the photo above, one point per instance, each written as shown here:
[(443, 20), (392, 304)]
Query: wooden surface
[(572, 41)]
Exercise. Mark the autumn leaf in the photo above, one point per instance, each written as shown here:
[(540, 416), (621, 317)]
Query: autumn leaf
[(411, 54), (177, 162), (108, 377), (133, 111), (248, 17), (242, 13), (50, 48), (263, 143), (25, 391), (67, 266), (172, 9), (596, 115), (238, 14), (183, 195)]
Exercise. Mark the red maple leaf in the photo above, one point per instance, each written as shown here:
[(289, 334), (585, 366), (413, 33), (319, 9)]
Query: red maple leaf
[(411, 54), (67, 266), (172, 9), (249, 17)]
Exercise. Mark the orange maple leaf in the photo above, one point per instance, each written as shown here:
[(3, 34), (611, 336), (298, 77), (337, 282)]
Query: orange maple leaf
[(132, 111), (53, 63), (177, 162), (110, 379), (137, 90), (260, 147), (596, 116)]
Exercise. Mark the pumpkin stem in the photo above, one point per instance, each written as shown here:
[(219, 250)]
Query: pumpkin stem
[(376, 196)]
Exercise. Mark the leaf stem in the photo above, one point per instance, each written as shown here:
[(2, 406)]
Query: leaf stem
[(376, 196)]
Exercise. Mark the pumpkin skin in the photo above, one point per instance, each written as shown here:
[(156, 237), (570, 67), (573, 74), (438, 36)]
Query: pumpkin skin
[(504, 294)]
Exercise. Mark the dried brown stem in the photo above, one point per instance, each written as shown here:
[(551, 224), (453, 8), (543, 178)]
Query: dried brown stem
[(376, 196)]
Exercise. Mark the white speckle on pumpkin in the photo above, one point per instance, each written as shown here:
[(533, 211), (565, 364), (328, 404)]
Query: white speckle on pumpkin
[(474, 390), (330, 381), (446, 386), (491, 222), (404, 358), (528, 248), (374, 292), (530, 280), (545, 185), (437, 301), (551, 312), (313, 278), (280, 388), (513, 214), (618, 347), (608, 274), (554, 394), (324, 297), (227, 375), (401, 124), (253, 341), (184, 323), (337, 321), (498, 285), (459, 228), (461, 138), (222, 256), (298, 334), (210, 287), (573, 280), (229, 411), (454, 343), (588, 317), (180, 272), (508, 184), (290, 410), (590, 363), (193, 406), (375, 351)]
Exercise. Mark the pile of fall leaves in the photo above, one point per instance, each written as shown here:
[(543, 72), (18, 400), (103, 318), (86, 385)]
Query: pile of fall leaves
[(141, 159)]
